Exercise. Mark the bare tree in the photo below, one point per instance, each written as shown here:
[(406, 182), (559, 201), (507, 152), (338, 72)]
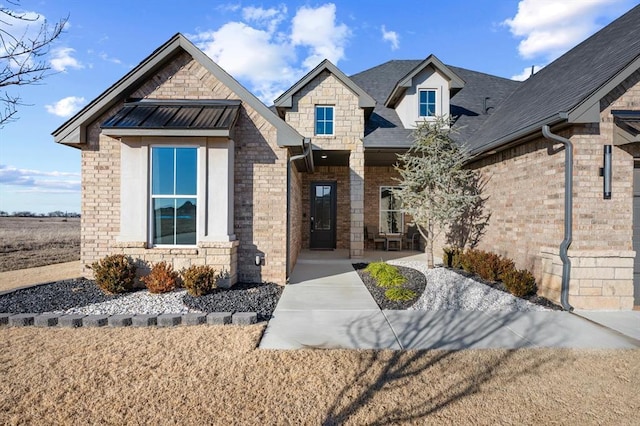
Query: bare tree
[(435, 187), (25, 39)]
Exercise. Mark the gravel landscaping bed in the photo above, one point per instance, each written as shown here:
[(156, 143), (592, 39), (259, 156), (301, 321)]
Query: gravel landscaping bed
[(82, 296), (447, 289), (416, 281)]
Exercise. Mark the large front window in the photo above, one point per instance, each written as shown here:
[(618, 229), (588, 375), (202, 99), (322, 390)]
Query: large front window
[(174, 190), (391, 217), (427, 102), (324, 120)]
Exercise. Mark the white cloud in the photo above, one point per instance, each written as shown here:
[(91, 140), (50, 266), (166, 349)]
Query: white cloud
[(65, 107), (550, 27), (61, 59), (262, 53), (526, 73), (392, 37), (38, 180), (317, 30), (108, 58)]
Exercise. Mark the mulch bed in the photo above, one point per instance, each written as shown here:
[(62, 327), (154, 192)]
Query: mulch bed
[(416, 281)]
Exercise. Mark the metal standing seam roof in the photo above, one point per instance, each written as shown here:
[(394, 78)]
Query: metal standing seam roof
[(166, 114)]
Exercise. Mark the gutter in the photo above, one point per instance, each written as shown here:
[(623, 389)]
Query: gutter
[(306, 154), (568, 214)]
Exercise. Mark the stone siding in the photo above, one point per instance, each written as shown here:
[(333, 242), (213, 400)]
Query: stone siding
[(326, 89)]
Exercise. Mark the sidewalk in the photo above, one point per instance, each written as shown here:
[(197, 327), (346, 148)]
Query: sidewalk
[(326, 305)]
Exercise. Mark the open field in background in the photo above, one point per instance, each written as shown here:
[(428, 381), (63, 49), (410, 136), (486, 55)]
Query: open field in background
[(27, 242), (214, 375)]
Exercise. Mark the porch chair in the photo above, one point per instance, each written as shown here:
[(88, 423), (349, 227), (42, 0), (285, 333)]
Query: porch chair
[(375, 238), (412, 239)]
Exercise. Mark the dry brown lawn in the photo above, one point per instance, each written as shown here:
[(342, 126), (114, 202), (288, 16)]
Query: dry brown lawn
[(214, 375), (27, 242)]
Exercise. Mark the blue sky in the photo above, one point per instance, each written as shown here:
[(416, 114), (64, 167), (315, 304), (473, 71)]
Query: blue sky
[(267, 46)]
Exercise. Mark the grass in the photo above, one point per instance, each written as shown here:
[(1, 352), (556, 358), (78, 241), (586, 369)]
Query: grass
[(214, 375), (29, 242)]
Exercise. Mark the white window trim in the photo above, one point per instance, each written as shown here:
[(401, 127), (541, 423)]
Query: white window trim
[(437, 106), (151, 197), (380, 210), (315, 120)]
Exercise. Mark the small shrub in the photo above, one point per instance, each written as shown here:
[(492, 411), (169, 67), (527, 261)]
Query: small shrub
[(199, 280), (520, 283), (161, 279), (385, 275), (488, 266), (400, 294), (114, 274)]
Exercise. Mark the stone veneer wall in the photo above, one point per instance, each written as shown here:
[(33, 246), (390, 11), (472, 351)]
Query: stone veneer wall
[(326, 89), (260, 185), (525, 195)]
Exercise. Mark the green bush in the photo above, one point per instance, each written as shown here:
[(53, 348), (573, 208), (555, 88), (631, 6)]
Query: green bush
[(199, 280), (161, 279), (400, 294), (385, 275), (114, 274), (520, 283)]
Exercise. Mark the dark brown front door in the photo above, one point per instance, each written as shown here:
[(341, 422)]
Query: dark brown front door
[(323, 215)]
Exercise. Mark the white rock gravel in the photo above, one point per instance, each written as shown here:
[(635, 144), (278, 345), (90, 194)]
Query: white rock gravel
[(447, 290), (140, 302)]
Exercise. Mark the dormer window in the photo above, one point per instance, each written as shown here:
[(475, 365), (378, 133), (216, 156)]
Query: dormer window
[(324, 120), (427, 103)]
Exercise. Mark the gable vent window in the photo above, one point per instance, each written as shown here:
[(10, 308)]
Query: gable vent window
[(324, 120), (427, 100)]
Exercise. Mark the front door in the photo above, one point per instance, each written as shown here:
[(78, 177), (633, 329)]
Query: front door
[(323, 215)]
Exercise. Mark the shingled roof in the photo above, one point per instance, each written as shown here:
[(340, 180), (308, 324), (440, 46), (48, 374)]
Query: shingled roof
[(384, 128), (563, 89)]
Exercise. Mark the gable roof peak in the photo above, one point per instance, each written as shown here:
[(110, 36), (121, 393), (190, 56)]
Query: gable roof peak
[(455, 82), (364, 99), (74, 130)]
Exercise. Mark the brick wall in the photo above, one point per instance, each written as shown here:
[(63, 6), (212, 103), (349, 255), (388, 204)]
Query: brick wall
[(525, 195), (260, 182), (295, 216)]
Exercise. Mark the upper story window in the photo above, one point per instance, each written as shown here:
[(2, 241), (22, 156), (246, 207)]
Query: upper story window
[(391, 216), (174, 193), (427, 103), (324, 120)]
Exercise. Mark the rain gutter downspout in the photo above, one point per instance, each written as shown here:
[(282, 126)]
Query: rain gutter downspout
[(306, 152), (568, 214)]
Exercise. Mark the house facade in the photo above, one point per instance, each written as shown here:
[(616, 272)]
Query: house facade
[(181, 163)]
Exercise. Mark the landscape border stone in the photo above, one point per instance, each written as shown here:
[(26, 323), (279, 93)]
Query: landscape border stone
[(71, 321), (46, 320), (126, 320)]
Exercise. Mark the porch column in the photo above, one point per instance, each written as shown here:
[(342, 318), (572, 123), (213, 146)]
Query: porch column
[(356, 177)]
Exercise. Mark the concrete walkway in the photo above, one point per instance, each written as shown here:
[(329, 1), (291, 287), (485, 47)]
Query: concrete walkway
[(326, 305)]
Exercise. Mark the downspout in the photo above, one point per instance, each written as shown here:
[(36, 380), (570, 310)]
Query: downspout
[(306, 143), (568, 214)]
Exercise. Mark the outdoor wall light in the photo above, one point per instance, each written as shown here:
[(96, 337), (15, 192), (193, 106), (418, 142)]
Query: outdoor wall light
[(605, 172), (259, 260)]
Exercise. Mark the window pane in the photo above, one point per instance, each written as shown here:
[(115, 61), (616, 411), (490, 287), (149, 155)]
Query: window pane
[(320, 113), (423, 96), (186, 171), (319, 128), (386, 199), (322, 220), (328, 128), (162, 173), (186, 221), (431, 96), (328, 113), (163, 220)]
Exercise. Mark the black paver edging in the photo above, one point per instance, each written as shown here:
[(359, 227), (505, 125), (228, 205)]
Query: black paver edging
[(126, 320)]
